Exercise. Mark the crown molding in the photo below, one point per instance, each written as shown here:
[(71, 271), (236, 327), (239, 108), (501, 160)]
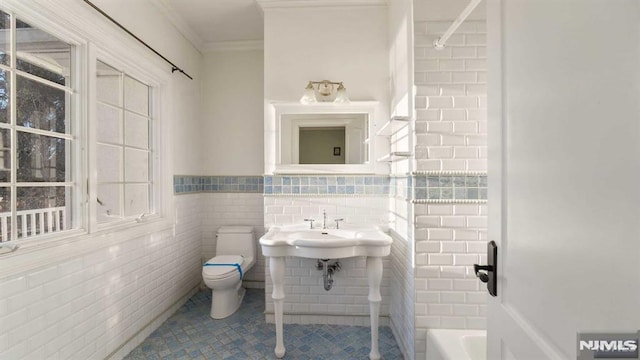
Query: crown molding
[(274, 4), (239, 45), (179, 23)]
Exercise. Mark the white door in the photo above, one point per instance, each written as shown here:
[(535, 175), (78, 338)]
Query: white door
[(564, 173)]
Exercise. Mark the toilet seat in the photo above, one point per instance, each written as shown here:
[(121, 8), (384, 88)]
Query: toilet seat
[(221, 272)]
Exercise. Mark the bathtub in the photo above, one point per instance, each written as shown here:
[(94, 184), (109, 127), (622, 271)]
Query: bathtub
[(456, 345)]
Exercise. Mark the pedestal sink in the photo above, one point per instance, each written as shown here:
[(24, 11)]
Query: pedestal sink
[(348, 241)]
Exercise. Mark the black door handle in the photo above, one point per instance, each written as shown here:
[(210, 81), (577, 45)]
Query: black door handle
[(484, 277), (489, 273)]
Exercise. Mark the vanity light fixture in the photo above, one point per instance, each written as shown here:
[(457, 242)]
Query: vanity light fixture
[(325, 89)]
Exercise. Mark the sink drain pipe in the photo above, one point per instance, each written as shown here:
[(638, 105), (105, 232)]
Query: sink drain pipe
[(328, 268)]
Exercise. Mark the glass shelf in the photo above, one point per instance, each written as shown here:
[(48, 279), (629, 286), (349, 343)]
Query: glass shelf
[(393, 125), (394, 156)]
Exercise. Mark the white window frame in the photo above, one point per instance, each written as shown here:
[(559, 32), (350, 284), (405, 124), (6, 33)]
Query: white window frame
[(76, 165), (95, 39), (147, 72), (97, 54)]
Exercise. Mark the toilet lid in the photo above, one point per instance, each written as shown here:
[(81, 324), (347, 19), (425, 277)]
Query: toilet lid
[(222, 271)]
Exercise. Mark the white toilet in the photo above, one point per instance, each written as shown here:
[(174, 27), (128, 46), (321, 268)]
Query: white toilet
[(235, 255)]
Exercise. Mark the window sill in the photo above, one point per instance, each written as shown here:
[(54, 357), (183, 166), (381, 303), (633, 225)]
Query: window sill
[(45, 252)]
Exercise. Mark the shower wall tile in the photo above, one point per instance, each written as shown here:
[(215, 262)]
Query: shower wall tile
[(402, 293), (451, 98), (450, 187), (450, 182)]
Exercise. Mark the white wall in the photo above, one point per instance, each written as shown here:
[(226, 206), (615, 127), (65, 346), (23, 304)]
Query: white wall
[(232, 144), (232, 113), (449, 10), (401, 56), (231, 138), (347, 44), (402, 93), (105, 293)]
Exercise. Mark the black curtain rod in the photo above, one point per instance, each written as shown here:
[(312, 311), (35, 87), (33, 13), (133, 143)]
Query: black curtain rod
[(174, 67)]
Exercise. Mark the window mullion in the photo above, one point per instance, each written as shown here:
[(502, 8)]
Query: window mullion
[(124, 149), (14, 136), (51, 134), (91, 144), (152, 163), (46, 82)]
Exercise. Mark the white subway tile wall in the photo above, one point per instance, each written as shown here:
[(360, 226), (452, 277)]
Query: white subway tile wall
[(219, 209), (105, 302), (282, 210), (402, 296), (400, 194), (306, 300), (451, 98), (451, 134)]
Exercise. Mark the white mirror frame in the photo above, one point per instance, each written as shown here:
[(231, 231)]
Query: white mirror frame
[(273, 155)]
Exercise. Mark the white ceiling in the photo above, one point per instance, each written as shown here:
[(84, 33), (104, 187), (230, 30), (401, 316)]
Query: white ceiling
[(208, 23), (234, 24)]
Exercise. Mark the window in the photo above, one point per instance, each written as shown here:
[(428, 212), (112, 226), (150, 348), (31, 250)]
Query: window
[(73, 161), (123, 146), (38, 143)]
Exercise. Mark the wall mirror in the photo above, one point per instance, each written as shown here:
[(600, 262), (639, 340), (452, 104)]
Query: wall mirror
[(322, 138)]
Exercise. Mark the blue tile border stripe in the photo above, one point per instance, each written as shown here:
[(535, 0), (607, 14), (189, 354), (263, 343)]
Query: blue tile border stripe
[(450, 187), (187, 184), (326, 185), (417, 187)]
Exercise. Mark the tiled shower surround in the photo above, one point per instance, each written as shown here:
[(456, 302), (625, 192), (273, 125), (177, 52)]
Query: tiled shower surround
[(460, 186), (451, 145)]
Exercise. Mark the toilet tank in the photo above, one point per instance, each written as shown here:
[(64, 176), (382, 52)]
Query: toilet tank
[(236, 240)]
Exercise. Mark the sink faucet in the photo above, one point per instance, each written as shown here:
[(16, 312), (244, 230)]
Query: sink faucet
[(324, 219), (310, 222)]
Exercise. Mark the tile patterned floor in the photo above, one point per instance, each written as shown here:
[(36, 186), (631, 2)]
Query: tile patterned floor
[(191, 334)]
